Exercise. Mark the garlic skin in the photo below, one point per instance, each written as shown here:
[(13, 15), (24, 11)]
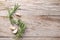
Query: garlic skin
[(15, 31), (17, 14), (12, 28)]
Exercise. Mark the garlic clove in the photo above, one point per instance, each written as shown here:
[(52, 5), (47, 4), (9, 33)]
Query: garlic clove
[(15, 31), (12, 28), (17, 14)]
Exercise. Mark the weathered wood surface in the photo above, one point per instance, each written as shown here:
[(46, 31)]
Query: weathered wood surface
[(38, 27), (31, 38), (35, 7), (41, 7)]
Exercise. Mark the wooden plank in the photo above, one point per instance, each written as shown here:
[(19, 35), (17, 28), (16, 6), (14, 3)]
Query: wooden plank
[(35, 27), (32, 39), (38, 27), (44, 28), (41, 7), (24, 13), (33, 7), (6, 39)]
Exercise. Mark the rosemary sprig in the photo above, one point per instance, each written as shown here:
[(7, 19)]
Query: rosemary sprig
[(18, 22), (11, 12), (21, 29)]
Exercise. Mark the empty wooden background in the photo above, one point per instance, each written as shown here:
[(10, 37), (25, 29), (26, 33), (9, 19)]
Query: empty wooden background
[(42, 18)]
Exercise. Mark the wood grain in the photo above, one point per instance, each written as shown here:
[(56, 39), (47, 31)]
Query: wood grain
[(32, 39), (35, 7), (44, 28), (42, 18)]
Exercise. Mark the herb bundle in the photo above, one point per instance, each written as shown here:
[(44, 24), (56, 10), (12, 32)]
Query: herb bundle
[(18, 22)]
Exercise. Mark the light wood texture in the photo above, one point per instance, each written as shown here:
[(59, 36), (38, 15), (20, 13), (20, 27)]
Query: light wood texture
[(36, 27), (42, 18), (32, 39), (35, 7)]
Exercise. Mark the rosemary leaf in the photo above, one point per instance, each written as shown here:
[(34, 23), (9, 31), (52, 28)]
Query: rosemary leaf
[(21, 29), (19, 23), (11, 12)]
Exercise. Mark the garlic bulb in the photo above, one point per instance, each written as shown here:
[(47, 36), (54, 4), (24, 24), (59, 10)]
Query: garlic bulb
[(15, 31)]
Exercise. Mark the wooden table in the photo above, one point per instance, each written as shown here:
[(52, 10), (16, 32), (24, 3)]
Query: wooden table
[(42, 18)]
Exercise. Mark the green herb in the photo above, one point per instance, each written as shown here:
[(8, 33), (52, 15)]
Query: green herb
[(21, 29), (11, 12), (19, 23)]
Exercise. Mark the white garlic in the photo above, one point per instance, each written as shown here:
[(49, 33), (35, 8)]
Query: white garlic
[(15, 31), (12, 28), (18, 14)]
